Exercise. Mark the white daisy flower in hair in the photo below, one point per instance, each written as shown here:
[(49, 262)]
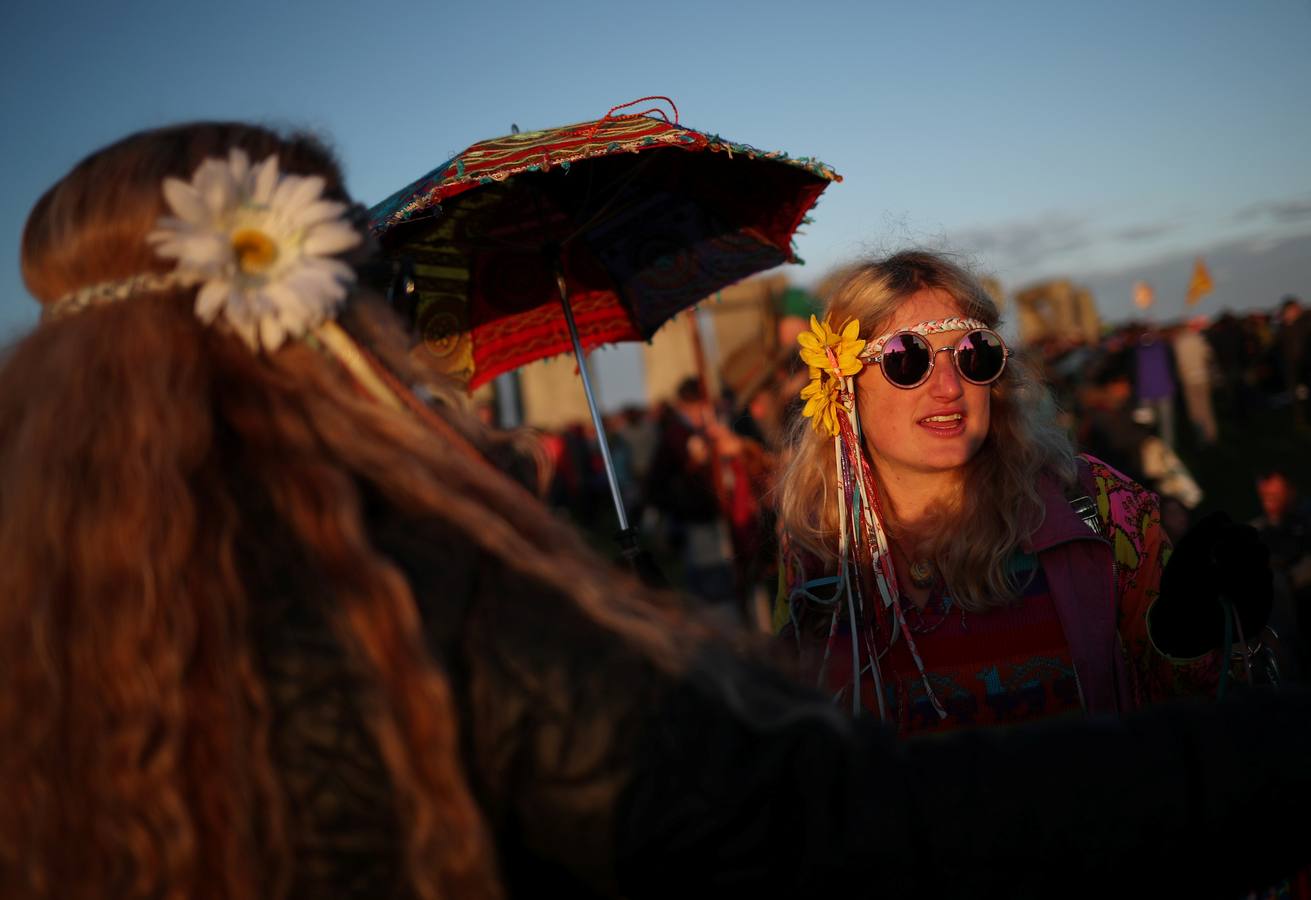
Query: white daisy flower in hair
[(260, 244)]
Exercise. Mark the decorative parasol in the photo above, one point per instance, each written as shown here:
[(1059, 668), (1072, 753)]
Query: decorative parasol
[(534, 244)]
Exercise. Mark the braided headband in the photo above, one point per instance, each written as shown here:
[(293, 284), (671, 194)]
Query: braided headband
[(935, 326), (114, 291)]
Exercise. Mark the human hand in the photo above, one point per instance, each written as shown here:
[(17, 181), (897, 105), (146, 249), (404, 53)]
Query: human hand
[(698, 451), (727, 442)]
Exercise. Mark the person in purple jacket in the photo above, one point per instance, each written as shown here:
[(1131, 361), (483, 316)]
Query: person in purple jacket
[(1155, 381), (950, 562)]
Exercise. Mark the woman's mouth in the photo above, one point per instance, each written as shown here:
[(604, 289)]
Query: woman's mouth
[(944, 424)]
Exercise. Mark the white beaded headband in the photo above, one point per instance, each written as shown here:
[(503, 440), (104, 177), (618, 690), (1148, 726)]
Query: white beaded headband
[(935, 326), (114, 291)]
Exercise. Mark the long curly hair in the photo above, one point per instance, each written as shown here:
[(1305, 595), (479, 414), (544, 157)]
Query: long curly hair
[(136, 758), (980, 531)]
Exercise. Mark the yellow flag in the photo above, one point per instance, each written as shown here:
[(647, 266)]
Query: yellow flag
[(1201, 283), (1143, 294)]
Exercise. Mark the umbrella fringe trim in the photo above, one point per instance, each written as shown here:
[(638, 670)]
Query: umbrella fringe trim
[(445, 188)]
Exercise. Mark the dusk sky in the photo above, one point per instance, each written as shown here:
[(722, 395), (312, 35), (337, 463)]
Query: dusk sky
[(1101, 141)]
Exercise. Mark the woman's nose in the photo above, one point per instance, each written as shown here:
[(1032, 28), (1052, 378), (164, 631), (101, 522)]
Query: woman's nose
[(944, 380)]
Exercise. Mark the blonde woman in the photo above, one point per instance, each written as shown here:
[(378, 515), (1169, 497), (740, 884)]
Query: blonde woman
[(950, 561)]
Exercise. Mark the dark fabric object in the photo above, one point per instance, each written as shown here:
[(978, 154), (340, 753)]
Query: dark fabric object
[(1289, 543), (638, 560), (1154, 369), (775, 796), (1289, 540), (551, 706), (1112, 436), (345, 837), (600, 775), (1218, 558), (1293, 342), (675, 484)]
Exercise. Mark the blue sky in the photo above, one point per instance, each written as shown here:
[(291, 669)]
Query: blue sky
[(1090, 140)]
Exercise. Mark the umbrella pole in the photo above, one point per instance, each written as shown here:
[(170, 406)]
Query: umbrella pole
[(591, 404)]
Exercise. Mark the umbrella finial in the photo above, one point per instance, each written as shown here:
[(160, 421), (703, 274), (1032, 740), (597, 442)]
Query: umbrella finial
[(514, 129), (654, 109)]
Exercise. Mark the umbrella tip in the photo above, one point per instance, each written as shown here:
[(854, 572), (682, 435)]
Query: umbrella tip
[(514, 129)]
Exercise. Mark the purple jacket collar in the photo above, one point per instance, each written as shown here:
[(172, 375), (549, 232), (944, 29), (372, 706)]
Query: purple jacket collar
[(1061, 523), (1080, 569)]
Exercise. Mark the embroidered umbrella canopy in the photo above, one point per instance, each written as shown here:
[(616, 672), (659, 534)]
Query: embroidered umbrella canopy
[(534, 244)]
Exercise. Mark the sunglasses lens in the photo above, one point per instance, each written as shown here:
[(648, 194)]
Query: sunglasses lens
[(980, 356), (906, 359)]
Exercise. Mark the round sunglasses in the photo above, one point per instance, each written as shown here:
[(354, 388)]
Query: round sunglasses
[(907, 358)]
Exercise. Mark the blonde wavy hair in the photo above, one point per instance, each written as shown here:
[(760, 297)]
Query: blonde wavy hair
[(977, 534), (136, 720)]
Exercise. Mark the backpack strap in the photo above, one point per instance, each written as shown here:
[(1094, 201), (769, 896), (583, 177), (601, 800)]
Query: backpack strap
[(1084, 506)]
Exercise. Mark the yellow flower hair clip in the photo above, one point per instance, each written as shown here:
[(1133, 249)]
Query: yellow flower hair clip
[(832, 357)]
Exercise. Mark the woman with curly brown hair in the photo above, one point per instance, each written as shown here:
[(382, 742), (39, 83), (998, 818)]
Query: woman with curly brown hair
[(206, 533), (270, 627)]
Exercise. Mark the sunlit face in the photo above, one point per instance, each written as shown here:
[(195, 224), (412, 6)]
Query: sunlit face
[(1276, 496), (936, 427)]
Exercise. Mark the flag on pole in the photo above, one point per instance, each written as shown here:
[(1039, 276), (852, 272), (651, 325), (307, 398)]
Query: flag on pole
[(1143, 294), (1201, 283)]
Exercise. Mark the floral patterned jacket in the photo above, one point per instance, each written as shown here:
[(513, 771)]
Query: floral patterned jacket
[(1119, 665)]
